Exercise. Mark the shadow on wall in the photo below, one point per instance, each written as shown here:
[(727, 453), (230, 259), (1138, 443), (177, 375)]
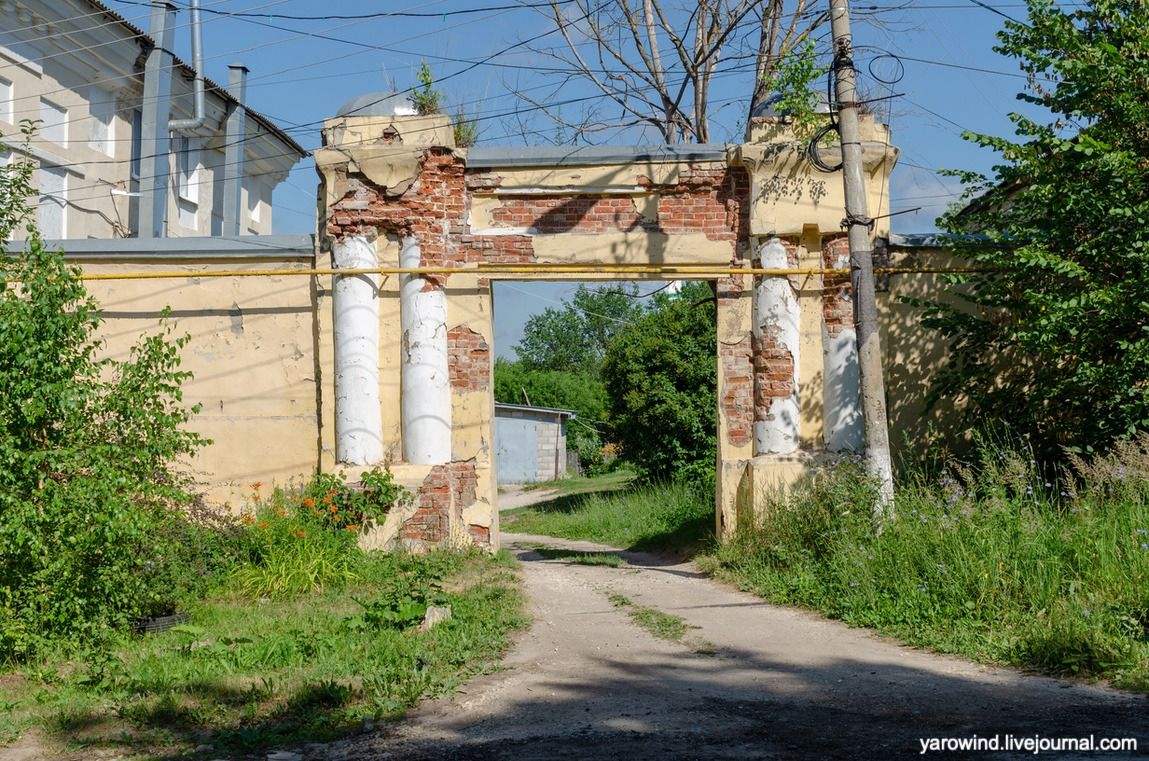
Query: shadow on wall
[(913, 356)]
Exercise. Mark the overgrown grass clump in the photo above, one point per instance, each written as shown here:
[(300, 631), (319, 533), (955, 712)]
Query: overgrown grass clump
[(246, 675), (988, 559), (667, 516)]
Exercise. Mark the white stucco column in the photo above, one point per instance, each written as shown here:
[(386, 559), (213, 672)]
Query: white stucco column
[(841, 390), (426, 386), (777, 317), (358, 417)]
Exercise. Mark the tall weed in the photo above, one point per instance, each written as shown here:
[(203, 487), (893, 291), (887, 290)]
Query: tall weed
[(986, 558)]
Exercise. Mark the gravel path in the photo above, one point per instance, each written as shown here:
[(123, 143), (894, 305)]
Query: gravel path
[(752, 681)]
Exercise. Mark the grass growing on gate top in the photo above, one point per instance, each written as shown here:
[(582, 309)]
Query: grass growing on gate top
[(989, 560), (673, 517), (246, 675)]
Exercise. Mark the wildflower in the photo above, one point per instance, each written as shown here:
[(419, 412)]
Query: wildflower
[(1086, 612), (352, 527), (281, 512), (854, 584), (308, 502), (1145, 545), (327, 500), (248, 520), (1142, 532), (333, 509), (256, 486), (1048, 485), (301, 534), (263, 524)]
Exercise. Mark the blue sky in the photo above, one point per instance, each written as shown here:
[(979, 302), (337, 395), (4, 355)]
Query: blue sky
[(302, 71)]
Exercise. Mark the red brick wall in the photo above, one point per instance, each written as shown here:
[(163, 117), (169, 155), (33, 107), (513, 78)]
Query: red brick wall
[(837, 300), (445, 491), (736, 379), (469, 360), (578, 214)]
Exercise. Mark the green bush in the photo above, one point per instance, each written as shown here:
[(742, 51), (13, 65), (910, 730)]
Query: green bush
[(89, 489), (661, 381)]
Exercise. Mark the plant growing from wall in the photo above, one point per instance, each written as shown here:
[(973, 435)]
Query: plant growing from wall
[(426, 99), (89, 488), (466, 130), (793, 82), (1051, 340)]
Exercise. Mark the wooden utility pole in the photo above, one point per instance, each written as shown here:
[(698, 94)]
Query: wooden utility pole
[(860, 225)]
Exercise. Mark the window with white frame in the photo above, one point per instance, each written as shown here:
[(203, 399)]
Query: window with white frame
[(53, 122), (101, 114), (6, 108), (189, 170), (137, 142), (53, 211)]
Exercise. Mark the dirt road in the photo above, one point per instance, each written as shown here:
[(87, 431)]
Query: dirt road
[(754, 681)]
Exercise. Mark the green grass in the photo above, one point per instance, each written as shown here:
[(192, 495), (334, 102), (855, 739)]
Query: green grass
[(988, 560), (581, 558), (665, 517), (613, 481), (657, 623), (251, 675)]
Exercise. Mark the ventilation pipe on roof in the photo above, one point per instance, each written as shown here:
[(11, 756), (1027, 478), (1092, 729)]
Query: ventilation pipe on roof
[(177, 125), (155, 142), (233, 160)]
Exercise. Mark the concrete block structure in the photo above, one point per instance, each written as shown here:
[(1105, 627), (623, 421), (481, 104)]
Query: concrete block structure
[(530, 443)]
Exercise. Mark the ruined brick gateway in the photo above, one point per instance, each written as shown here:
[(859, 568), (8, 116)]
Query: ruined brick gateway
[(411, 354)]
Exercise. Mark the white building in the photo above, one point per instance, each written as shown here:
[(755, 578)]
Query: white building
[(79, 68)]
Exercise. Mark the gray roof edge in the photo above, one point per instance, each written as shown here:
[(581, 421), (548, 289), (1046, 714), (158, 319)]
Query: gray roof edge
[(528, 408), (494, 157), (216, 247), (916, 240)]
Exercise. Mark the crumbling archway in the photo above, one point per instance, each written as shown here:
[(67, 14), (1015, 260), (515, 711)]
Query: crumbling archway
[(423, 227)]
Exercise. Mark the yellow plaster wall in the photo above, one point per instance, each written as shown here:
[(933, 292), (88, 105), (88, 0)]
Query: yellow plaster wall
[(253, 357)]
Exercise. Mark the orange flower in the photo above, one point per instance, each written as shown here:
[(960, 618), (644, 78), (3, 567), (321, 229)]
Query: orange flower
[(281, 512), (301, 534), (333, 509), (263, 524), (308, 502), (248, 520), (256, 485), (352, 527), (327, 500)]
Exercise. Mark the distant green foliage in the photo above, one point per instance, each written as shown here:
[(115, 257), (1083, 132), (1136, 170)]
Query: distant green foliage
[(581, 392), (426, 99), (661, 378), (575, 337), (89, 447), (987, 559), (1054, 342)]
